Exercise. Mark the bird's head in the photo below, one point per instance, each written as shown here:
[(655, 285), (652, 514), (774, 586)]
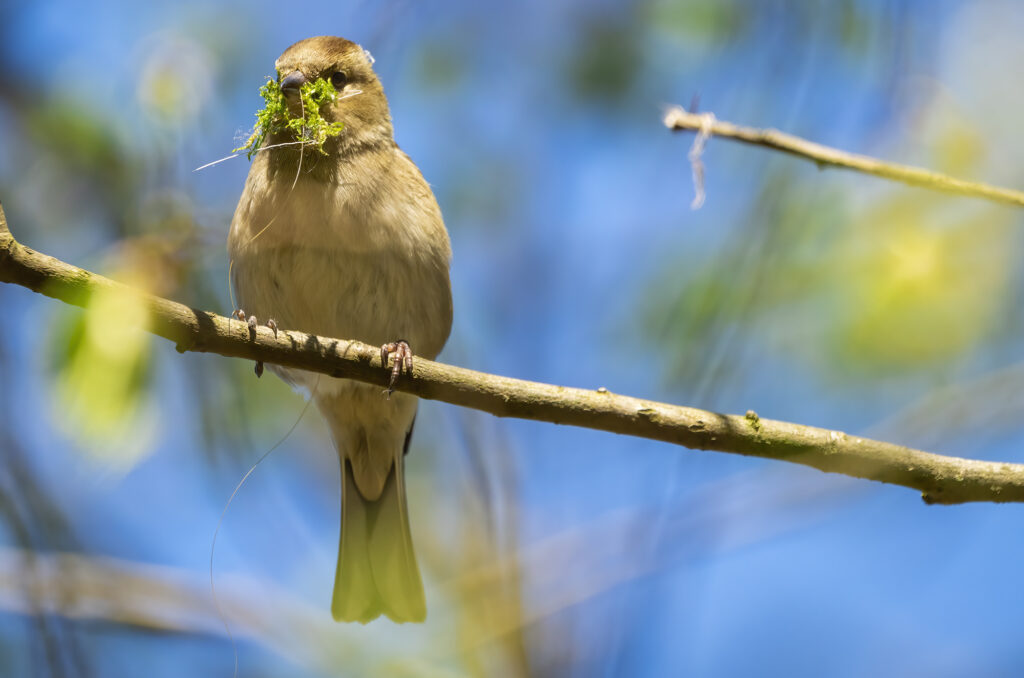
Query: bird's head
[(360, 104)]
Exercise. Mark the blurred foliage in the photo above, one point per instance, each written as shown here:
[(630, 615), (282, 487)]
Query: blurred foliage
[(85, 165), (440, 66), (103, 363), (698, 23), (85, 138), (607, 60), (913, 293), (175, 80), (764, 271), (897, 283)]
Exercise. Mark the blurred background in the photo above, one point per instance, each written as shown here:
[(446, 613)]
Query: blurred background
[(820, 297)]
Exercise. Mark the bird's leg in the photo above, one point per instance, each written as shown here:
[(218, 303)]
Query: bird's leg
[(403, 361)]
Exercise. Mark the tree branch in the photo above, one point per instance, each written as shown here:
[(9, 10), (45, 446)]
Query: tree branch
[(168, 600), (940, 479), (676, 118)]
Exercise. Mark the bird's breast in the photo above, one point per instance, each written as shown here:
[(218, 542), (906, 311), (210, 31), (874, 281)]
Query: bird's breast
[(327, 260)]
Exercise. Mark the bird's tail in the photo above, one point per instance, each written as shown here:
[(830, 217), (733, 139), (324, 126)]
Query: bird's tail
[(377, 571)]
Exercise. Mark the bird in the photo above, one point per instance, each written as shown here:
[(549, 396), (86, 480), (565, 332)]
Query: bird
[(348, 241)]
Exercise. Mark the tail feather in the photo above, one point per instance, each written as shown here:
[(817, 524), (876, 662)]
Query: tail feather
[(377, 571)]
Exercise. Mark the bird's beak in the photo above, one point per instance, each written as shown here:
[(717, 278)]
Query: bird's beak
[(291, 83)]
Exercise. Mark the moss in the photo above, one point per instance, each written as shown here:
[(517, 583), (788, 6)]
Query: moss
[(274, 117)]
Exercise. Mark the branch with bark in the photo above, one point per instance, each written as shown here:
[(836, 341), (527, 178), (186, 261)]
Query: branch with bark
[(705, 124), (940, 479)]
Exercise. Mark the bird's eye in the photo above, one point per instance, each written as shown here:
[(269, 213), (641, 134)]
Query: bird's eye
[(338, 79)]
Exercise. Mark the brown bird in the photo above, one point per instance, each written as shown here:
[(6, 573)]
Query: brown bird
[(350, 244)]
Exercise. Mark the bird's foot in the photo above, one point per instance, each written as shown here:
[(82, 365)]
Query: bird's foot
[(253, 323), (248, 320), (403, 361)]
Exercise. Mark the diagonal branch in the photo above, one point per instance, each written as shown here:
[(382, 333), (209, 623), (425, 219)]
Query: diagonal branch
[(676, 118), (940, 479)]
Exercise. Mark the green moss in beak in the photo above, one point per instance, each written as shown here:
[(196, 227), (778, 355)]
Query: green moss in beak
[(274, 117)]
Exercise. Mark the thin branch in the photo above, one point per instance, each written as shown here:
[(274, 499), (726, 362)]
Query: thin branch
[(940, 479), (163, 599), (677, 118)]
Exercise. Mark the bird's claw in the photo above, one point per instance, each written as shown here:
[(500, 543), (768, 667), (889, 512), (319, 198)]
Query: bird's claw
[(249, 320), (253, 324), (403, 361)]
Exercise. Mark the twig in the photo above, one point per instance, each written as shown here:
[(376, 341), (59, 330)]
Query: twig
[(676, 118), (943, 480)]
